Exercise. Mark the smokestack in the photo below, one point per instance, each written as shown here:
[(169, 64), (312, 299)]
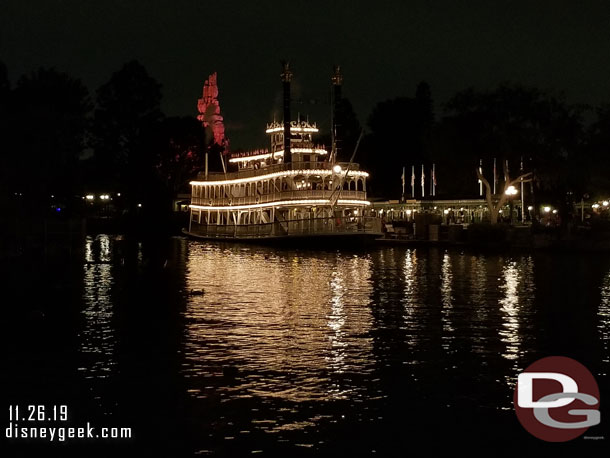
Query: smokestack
[(286, 78), (337, 80)]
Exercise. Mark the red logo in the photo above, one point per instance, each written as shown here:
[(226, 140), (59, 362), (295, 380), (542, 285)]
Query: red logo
[(557, 399)]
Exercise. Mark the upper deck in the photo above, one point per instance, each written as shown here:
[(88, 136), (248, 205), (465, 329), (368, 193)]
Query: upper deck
[(299, 183), (346, 170)]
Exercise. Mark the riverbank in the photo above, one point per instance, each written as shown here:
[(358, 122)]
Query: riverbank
[(501, 236)]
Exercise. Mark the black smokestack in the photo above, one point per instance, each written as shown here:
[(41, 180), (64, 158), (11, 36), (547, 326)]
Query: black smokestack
[(336, 127), (286, 78)]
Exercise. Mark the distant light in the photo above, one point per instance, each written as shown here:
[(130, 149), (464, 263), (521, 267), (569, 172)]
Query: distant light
[(118, 194), (337, 168), (511, 191), (408, 212), (355, 212), (530, 208), (90, 197), (595, 205), (554, 211), (58, 209), (605, 203), (547, 209), (435, 208), (140, 205), (445, 211), (52, 196)]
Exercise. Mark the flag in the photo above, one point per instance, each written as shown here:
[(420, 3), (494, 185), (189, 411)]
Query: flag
[(434, 174), (423, 177), (402, 178)]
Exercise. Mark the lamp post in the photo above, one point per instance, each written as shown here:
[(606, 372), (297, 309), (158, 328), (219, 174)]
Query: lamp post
[(511, 191)]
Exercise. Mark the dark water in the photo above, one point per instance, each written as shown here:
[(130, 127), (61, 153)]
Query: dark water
[(297, 352)]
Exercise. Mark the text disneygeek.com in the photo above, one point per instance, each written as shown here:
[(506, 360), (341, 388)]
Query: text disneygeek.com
[(26, 422)]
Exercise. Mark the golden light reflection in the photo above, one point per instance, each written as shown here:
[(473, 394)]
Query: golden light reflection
[(414, 279), (277, 321), (604, 322), (97, 339), (509, 333), (518, 290), (446, 301)]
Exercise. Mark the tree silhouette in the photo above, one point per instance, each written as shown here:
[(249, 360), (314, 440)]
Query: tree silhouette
[(496, 202), (48, 123), (594, 165), (125, 126), (181, 152), (400, 130), (507, 123)]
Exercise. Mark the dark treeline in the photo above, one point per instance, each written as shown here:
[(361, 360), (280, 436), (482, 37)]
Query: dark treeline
[(567, 157), (60, 142)]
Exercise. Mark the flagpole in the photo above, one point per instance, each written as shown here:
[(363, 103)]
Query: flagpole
[(403, 183), (522, 195), (434, 179), (481, 181), (412, 182)]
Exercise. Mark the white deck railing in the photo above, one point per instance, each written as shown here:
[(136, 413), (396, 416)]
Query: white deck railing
[(292, 228), (279, 196)]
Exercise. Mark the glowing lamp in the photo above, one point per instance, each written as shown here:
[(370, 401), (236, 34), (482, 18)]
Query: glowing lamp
[(547, 209), (337, 168), (511, 191)]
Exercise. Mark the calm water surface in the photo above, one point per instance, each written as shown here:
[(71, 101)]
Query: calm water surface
[(301, 352)]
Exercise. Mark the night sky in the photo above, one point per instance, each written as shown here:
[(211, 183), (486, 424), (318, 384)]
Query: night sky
[(385, 48)]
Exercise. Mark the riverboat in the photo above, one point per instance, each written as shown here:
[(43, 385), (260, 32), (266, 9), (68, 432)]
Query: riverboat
[(296, 189)]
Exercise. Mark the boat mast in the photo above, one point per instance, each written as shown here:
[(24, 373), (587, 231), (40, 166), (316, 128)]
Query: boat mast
[(337, 80), (286, 79)]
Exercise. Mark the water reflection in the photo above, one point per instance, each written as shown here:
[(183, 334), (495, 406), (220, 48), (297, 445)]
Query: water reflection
[(97, 338), (604, 323), (285, 326), (446, 300), (291, 345), (510, 309)]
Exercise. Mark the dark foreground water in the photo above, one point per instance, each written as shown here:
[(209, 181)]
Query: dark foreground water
[(296, 352)]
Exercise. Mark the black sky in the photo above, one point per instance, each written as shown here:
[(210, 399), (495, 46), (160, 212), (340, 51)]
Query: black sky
[(384, 47)]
